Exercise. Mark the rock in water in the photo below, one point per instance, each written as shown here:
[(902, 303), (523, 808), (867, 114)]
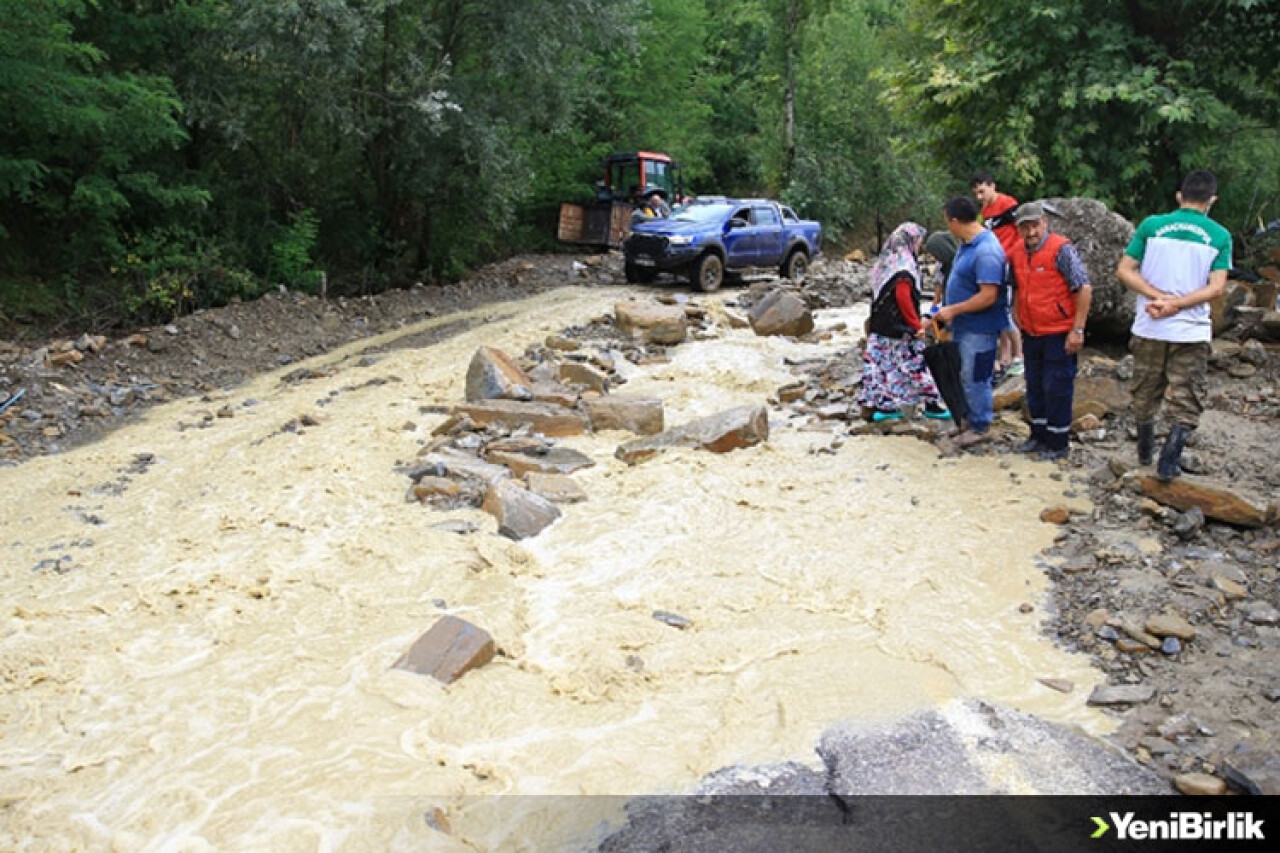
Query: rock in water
[(743, 426), (520, 512), (661, 324), (545, 418), (781, 313), (449, 650), (492, 375), (640, 415)]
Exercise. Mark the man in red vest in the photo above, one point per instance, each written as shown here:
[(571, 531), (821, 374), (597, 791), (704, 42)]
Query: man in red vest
[(997, 214), (1051, 302)]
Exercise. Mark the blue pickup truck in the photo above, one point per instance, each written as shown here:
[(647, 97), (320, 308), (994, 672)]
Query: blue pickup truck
[(704, 240)]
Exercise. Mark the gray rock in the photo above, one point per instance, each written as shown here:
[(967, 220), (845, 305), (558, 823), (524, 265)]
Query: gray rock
[(1260, 613), (1100, 236), (492, 375), (675, 620), (1121, 694), (520, 512), (781, 313), (1257, 773), (971, 747)]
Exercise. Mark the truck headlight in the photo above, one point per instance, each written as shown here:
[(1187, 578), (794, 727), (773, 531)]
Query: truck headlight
[(680, 239)]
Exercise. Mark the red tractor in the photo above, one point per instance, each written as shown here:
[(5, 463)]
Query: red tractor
[(607, 220)]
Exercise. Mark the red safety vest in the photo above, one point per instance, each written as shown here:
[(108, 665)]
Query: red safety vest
[(1006, 232), (1046, 305)]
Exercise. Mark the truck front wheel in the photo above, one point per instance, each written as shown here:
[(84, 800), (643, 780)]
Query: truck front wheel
[(796, 266), (708, 272)]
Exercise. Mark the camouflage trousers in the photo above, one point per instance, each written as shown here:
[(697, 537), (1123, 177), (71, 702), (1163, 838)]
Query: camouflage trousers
[(1169, 372)]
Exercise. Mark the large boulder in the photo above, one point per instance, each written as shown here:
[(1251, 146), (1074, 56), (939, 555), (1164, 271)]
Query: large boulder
[(659, 324), (781, 312), (743, 426), (1216, 500), (493, 375), (1101, 237)]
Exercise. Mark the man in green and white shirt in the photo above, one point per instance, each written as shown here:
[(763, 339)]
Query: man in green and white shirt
[(1177, 263)]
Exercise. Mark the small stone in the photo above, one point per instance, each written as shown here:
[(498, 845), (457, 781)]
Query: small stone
[(1260, 613), (1229, 588), (1026, 608), (1187, 524), (563, 344), (640, 415), (1171, 646), (1132, 647), (226, 412), (557, 488), (1061, 685), (1121, 694), (1200, 785), (449, 650), (1170, 625), (1255, 772), (1056, 515), (461, 528), (1106, 632), (675, 620), (430, 487)]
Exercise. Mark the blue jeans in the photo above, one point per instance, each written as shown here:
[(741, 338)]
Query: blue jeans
[(977, 363)]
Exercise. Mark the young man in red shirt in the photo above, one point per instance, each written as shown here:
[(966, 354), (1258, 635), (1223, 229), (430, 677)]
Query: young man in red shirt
[(997, 214)]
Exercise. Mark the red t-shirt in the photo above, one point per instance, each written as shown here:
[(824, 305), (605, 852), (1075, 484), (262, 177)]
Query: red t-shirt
[(1007, 234)]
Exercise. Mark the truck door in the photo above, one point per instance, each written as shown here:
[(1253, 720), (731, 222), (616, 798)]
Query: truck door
[(770, 238), (740, 243)]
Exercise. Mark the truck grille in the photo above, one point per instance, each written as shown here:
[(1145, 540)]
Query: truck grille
[(648, 244)]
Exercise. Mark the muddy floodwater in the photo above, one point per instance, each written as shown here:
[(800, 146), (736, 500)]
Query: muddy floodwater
[(197, 644)]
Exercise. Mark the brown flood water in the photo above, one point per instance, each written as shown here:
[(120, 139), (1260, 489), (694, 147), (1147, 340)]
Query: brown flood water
[(213, 672)]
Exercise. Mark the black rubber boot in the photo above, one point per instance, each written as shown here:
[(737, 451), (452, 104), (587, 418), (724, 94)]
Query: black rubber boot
[(1146, 443), (1171, 454)]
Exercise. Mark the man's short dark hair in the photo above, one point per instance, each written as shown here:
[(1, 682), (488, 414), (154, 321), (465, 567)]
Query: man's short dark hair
[(1199, 186), (981, 178), (961, 209)]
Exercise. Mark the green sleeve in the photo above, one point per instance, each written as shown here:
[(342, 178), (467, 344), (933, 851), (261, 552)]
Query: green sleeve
[(1138, 245), (1223, 261)]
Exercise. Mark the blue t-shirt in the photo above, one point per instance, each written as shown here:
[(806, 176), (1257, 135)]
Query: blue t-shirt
[(980, 261)]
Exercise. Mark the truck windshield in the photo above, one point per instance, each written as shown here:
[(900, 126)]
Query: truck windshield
[(703, 213)]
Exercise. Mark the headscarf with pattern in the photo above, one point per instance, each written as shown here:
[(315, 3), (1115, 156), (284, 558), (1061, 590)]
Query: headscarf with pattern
[(898, 255)]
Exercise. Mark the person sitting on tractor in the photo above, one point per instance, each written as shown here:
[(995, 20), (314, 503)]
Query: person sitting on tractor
[(653, 205)]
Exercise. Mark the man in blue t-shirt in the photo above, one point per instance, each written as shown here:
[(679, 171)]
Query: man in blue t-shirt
[(976, 308)]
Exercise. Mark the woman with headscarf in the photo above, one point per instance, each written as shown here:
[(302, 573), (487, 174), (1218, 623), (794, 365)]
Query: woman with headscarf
[(894, 374)]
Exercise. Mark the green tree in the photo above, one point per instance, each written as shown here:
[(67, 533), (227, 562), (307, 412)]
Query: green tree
[(77, 182), (1112, 100)]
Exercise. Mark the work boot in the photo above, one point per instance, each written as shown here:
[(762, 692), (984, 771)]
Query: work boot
[(1146, 442), (1031, 445), (1171, 454)]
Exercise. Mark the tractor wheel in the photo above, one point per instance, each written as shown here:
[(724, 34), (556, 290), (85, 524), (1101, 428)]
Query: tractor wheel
[(796, 266), (708, 272), (639, 275)]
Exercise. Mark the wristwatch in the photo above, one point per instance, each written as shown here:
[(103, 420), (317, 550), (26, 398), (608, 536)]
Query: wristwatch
[(1079, 332)]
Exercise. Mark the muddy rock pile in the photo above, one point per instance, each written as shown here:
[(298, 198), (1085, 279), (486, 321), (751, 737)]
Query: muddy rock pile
[(497, 450)]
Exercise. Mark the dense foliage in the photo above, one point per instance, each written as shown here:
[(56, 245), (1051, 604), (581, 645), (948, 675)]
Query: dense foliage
[(161, 154)]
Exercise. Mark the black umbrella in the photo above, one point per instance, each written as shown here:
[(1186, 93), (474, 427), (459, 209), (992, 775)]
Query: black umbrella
[(943, 359)]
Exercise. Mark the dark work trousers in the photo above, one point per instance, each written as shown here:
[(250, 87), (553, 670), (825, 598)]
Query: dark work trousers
[(1051, 385)]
